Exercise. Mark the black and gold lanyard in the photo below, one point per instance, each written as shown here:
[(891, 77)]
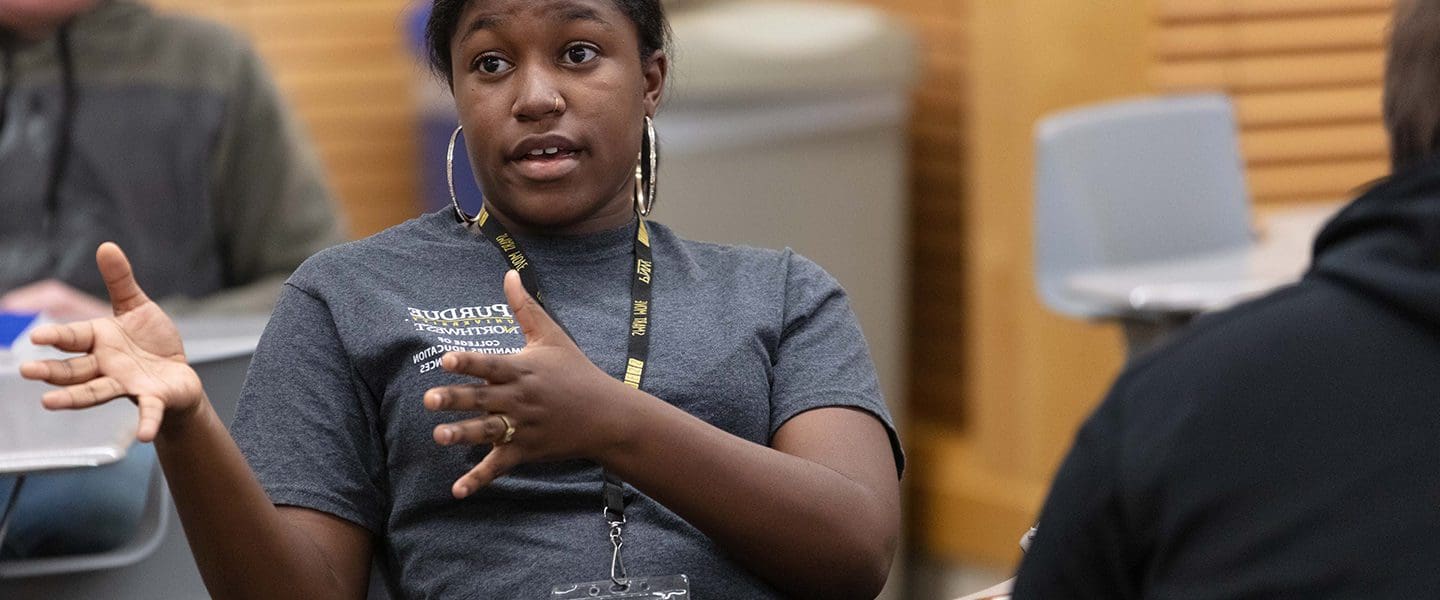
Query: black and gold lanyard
[(637, 354)]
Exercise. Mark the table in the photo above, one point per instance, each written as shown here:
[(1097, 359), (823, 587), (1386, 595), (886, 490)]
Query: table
[(1000, 591), (157, 564), (1153, 299), (34, 439)]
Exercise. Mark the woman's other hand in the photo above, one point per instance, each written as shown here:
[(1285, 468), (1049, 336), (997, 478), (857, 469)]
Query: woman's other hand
[(135, 353), (56, 299), (549, 394)]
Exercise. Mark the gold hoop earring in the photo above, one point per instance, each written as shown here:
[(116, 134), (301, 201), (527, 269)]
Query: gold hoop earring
[(645, 169), (450, 178)]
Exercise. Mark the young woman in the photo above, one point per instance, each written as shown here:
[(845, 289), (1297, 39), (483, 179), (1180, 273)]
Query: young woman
[(704, 410)]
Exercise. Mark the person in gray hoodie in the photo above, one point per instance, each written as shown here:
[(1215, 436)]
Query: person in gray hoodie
[(1286, 448), (164, 134), (158, 132)]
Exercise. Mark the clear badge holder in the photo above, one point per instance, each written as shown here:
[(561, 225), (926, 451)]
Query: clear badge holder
[(672, 587)]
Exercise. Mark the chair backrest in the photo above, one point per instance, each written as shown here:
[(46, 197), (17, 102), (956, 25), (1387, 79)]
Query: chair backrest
[(151, 530), (1135, 181)]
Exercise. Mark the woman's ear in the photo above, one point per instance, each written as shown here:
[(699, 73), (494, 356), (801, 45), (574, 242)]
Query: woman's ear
[(657, 70)]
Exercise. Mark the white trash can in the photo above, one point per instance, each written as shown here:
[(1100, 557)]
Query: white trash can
[(785, 125)]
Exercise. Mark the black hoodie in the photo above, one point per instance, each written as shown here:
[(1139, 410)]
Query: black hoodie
[(1287, 448)]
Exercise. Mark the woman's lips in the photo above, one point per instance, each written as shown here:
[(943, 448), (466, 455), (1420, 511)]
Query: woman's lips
[(547, 167)]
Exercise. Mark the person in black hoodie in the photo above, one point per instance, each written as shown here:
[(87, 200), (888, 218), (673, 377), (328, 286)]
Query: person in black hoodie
[(1290, 447)]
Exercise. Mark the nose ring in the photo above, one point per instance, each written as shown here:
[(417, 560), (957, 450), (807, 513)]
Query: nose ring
[(556, 108)]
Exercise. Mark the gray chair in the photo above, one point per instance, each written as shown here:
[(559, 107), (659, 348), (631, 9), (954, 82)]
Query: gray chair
[(154, 523), (157, 563), (1141, 212)]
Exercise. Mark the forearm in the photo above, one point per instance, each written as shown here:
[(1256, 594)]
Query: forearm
[(803, 527), (242, 544)]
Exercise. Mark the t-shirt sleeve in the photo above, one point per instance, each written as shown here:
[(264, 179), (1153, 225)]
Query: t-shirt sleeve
[(822, 359), (306, 422), (1081, 548)]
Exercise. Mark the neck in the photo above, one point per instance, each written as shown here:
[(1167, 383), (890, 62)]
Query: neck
[(614, 214), (594, 224)]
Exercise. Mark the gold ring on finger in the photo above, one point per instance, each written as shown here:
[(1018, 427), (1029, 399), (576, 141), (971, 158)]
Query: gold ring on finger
[(509, 430)]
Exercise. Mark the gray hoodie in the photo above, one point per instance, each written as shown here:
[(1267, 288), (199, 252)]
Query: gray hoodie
[(163, 134)]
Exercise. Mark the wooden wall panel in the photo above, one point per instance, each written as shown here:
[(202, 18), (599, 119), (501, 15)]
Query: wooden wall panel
[(936, 207), (344, 68), (1021, 377), (1238, 9), (1185, 38), (1305, 75), (1309, 107)]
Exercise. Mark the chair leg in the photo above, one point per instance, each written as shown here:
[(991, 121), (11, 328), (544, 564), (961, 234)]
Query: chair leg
[(1144, 334), (10, 508)]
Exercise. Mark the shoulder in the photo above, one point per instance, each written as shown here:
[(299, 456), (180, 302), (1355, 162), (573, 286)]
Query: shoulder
[(1313, 317), (1234, 372), (1213, 349), (711, 254), (739, 263), (164, 48), (190, 32)]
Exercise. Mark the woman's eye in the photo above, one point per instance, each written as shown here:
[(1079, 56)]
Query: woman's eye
[(579, 54), (492, 65)]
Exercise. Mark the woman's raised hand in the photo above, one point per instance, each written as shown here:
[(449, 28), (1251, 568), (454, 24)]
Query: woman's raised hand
[(549, 399), (136, 353)]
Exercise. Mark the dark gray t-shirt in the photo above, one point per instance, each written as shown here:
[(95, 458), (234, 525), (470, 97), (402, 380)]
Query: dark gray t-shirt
[(331, 415)]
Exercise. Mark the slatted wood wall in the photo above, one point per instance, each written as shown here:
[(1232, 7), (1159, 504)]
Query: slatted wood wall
[(936, 208), (1305, 75), (937, 177), (343, 66), (1029, 375)]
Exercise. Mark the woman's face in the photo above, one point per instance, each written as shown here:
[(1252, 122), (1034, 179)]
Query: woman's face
[(553, 95)]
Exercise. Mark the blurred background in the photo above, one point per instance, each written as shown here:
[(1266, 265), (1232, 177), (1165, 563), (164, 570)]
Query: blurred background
[(927, 109)]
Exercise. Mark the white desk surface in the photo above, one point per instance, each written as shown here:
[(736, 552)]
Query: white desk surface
[(1213, 281), (1000, 591), (35, 439)]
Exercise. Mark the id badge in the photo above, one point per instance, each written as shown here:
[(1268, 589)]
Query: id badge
[(671, 587)]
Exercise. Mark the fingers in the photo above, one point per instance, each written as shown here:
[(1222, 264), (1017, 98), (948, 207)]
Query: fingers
[(534, 322), (498, 430), (152, 412), (100, 391), (85, 395), (62, 372), (496, 464), (125, 293), (493, 368), (471, 397), (72, 337), (489, 429)]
